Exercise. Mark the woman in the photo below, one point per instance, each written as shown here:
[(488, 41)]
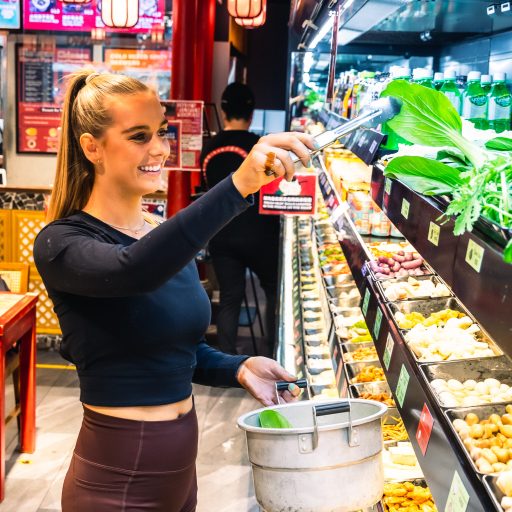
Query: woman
[(130, 304)]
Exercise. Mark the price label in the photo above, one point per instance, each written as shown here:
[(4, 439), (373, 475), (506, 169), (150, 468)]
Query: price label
[(366, 301), (387, 186), (388, 351), (401, 387), (378, 322), (433, 233), (424, 429), (458, 498), (475, 255), (405, 209)]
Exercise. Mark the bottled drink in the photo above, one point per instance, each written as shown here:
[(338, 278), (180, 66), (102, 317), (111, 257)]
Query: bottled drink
[(423, 77), (451, 91), (485, 82), (438, 80), (499, 104), (474, 102)]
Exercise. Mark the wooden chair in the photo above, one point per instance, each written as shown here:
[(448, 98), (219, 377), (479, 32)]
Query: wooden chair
[(16, 277)]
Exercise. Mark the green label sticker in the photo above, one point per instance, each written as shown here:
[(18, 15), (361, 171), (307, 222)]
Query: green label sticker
[(378, 322), (388, 351), (387, 186), (475, 255), (405, 208), (433, 233), (401, 387), (366, 301), (458, 498)]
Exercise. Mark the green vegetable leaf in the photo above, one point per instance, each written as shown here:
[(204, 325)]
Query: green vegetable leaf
[(423, 175), (273, 419), (507, 253), (499, 144), (427, 117)]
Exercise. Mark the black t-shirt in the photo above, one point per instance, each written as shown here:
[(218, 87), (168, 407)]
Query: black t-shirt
[(221, 156)]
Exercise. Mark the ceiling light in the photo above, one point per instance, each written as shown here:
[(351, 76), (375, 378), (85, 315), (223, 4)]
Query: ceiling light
[(505, 7)]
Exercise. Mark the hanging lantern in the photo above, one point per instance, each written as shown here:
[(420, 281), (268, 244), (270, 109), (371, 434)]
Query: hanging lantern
[(256, 22), (120, 13), (245, 8), (157, 33)]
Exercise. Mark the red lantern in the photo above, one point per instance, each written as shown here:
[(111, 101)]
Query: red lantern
[(256, 22), (245, 8), (120, 13)]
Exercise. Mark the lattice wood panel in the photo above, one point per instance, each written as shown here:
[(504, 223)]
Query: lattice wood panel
[(25, 226), (5, 235), (47, 322)]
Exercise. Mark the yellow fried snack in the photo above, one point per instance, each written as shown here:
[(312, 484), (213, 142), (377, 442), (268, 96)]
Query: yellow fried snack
[(369, 374), (407, 497), (395, 432)]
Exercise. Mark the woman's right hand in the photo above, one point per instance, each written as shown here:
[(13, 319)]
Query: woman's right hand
[(250, 176)]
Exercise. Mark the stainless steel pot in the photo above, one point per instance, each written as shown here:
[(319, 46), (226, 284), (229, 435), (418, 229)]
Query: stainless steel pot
[(330, 461)]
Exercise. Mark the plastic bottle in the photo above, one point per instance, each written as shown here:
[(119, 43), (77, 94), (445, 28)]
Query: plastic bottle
[(474, 102), (451, 91), (485, 82), (500, 102), (423, 77), (393, 139), (438, 80)]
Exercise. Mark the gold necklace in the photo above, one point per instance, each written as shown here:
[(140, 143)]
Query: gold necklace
[(136, 231)]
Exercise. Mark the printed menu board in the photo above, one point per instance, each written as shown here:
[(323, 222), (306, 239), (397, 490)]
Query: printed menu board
[(9, 14), (56, 15), (40, 89)]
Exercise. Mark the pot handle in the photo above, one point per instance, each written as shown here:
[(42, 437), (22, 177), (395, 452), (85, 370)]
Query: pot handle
[(301, 383), (336, 408)]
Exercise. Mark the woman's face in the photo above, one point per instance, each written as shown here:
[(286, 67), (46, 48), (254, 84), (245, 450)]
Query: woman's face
[(135, 146)]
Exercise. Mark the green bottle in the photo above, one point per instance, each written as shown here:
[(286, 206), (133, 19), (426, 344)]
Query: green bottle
[(393, 139), (474, 102), (438, 80), (485, 82), (451, 91), (423, 77), (500, 102)]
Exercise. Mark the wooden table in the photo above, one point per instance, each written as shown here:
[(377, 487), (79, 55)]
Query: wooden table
[(18, 324)]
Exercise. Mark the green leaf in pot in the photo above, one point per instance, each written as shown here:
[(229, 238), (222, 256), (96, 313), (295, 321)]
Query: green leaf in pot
[(499, 144), (423, 175), (507, 253), (272, 419)]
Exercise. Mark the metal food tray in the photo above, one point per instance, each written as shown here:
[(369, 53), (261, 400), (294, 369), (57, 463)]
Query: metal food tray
[(425, 307), (339, 280), (480, 336), (432, 278), (353, 369), (476, 369), (356, 390), (493, 490), (348, 348), (482, 411), (425, 267)]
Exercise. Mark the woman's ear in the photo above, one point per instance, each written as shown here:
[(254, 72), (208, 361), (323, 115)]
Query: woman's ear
[(91, 148)]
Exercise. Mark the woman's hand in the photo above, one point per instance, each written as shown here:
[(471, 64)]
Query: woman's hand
[(250, 176), (258, 375)]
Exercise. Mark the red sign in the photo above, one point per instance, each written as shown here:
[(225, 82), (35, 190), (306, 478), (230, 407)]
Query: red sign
[(55, 15), (295, 197), (424, 429), (118, 59), (40, 93), (188, 115)]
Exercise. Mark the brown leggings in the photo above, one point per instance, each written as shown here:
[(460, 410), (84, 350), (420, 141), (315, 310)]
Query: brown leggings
[(132, 466)]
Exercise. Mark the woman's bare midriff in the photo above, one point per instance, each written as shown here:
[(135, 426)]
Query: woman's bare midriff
[(165, 412)]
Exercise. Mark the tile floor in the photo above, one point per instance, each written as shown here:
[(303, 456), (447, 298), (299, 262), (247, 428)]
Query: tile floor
[(34, 481)]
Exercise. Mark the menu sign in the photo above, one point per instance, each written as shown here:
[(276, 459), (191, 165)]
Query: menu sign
[(40, 92), (56, 15), (185, 134), (120, 59), (9, 14)]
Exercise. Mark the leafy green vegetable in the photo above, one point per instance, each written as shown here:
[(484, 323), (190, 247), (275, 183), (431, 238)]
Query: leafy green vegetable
[(426, 176), (499, 144), (484, 185), (273, 419)]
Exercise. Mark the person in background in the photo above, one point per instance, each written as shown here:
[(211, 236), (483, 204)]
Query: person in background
[(130, 304), (250, 240)]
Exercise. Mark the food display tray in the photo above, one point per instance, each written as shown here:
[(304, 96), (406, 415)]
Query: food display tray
[(356, 390), (425, 267), (482, 411), (432, 278), (493, 490), (476, 369), (353, 369), (348, 348), (339, 280)]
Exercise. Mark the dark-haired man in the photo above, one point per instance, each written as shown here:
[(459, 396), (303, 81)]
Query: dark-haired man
[(250, 240)]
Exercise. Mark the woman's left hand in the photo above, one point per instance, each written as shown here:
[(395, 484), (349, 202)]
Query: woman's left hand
[(258, 375)]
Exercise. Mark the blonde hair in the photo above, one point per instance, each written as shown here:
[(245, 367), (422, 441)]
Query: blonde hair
[(84, 111)]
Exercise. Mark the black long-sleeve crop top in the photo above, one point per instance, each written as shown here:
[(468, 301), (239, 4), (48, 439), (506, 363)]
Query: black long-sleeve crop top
[(133, 312)]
